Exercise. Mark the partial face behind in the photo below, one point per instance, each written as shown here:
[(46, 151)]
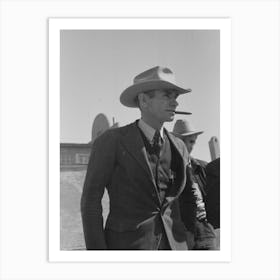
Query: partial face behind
[(159, 106), (190, 142)]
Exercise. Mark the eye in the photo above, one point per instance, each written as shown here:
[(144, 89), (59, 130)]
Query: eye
[(171, 94)]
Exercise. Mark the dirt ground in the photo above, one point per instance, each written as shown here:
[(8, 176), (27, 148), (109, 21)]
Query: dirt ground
[(71, 184)]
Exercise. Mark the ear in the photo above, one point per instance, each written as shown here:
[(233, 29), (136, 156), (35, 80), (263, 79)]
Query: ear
[(142, 99)]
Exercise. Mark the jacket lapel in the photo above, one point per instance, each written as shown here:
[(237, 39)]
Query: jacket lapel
[(178, 149), (180, 156), (133, 143)]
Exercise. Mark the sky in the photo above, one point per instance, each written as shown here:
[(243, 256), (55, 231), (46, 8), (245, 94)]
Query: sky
[(97, 65)]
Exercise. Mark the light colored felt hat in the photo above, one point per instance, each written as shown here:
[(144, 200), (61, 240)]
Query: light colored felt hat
[(184, 128), (154, 78)]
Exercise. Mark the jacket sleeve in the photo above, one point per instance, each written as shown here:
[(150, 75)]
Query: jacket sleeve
[(99, 172)]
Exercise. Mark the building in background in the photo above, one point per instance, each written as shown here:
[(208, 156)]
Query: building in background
[(73, 154)]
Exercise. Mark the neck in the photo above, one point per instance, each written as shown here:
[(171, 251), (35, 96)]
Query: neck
[(155, 124)]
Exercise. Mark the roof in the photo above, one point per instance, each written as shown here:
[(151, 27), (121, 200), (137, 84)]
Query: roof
[(75, 145)]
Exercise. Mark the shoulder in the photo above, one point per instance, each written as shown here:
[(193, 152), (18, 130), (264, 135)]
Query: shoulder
[(199, 162), (213, 167), (113, 134), (176, 139), (179, 144)]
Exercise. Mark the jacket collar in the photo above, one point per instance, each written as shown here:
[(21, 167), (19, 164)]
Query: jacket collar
[(132, 141)]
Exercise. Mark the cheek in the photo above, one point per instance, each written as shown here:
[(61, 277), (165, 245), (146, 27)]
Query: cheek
[(154, 110), (164, 105), (158, 108)]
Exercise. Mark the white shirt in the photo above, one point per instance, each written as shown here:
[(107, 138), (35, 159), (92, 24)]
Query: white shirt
[(149, 131)]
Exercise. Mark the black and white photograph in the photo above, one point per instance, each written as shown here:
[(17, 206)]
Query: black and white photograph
[(140, 138)]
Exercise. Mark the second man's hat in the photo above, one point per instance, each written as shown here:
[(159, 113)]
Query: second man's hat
[(185, 128)]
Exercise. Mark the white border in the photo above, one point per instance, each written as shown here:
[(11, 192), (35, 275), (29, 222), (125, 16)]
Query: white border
[(55, 25)]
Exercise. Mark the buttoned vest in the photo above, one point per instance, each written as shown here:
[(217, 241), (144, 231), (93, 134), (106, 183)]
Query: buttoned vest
[(160, 164)]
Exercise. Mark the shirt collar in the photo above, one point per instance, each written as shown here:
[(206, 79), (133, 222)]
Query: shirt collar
[(149, 131)]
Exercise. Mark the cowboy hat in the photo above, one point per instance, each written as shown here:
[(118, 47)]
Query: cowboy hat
[(184, 128), (154, 78)]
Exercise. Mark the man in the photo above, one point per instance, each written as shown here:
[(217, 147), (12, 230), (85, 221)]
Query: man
[(143, 168), (213, 192), (201, 235)]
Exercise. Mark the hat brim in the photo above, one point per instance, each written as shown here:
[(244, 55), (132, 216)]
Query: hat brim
[(128, 96), (188, 133)]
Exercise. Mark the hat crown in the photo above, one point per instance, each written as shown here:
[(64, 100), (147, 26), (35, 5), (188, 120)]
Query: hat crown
[(156, 78), (183, 127), (157, 73)]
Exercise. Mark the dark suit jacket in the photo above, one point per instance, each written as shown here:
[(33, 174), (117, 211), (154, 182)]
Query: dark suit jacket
[(213, 192), (137, 217)]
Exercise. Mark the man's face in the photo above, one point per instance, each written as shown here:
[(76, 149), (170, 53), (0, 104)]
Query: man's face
[(161, 107), (190, 142)]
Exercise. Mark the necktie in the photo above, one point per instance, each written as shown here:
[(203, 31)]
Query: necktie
[(157, 142)]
